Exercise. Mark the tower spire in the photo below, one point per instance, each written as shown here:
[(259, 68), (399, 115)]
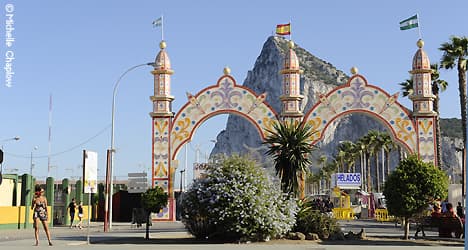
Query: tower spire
[(423, 112), (162, 98), (291, 97), (422, 96)]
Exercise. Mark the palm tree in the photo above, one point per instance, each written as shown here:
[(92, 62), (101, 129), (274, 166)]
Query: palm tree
[(347, 153), (340, 157), (365, 146), (330, 168), (456, 55), (388, 145), (361, 149), (322, 163), (313, 181), (375, 147), (407, 87), (438, 85), (290, 145)]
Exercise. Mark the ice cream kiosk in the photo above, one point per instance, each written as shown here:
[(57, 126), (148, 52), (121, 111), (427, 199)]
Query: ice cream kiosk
[(341, 199)]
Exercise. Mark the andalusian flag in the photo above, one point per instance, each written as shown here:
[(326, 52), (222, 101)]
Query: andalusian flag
[(157, 22), (409, 23), (283, 29)]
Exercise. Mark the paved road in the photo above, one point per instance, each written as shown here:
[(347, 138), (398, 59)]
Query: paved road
[(172, 236)]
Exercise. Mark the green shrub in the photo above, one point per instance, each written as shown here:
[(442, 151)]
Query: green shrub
[(237, 201), (310, 220)]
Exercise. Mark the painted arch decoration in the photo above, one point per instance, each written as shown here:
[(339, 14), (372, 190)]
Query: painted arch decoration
[(358, 96), (226, 97)]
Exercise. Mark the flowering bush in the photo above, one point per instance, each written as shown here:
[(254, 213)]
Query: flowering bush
[(237, 201), (311, 220)]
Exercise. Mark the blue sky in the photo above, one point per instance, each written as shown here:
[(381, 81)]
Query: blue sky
[(76, 50)]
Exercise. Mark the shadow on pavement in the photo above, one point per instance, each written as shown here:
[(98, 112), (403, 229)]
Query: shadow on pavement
[(397, 241), (141, 240)]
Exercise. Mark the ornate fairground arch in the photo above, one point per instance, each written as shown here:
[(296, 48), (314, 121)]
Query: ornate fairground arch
[(223, 98), (357, 96), (414, 130)]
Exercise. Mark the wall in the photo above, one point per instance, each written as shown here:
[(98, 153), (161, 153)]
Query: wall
[(13, 217), (6, 189)]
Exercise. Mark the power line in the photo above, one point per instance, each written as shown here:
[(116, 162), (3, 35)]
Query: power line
[(64, 151)]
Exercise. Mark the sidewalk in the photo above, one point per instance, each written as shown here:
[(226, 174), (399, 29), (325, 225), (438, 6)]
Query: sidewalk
[(172, 235)]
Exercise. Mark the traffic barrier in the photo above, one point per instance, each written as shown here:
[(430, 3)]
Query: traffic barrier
[(343, 213), (381, 215)]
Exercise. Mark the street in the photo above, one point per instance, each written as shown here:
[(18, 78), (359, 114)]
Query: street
[(172, 235)]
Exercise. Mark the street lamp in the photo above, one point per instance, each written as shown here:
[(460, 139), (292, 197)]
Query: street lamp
[(110, 189), (32, 164), (181, 175), (16, 138), (462, 150)]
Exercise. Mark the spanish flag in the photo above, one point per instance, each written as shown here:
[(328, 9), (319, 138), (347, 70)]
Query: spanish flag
[(283, 29)]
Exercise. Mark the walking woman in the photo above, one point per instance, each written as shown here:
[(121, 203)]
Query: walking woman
[(80, 216), (39, 207)]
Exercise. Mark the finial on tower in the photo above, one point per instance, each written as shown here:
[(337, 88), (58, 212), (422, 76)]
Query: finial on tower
[(420, 43), (162, 44), (227, 70), (354, 70), (291, 44)]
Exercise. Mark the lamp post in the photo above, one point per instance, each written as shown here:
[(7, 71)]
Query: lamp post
[(110, 189), (16, 138), (462, 150), (181, 180), (32, 164)]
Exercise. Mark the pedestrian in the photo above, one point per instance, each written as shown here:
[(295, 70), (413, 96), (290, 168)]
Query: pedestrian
[(40, 213), (460, 212), (80, 215), (444, 206), (71, 209), (449, 212), (436, 213)]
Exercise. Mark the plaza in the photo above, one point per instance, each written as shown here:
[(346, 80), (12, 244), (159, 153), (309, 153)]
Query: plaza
[(172, 235), (287, 87)]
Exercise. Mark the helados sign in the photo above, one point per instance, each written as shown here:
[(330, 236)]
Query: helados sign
[(347, 180)]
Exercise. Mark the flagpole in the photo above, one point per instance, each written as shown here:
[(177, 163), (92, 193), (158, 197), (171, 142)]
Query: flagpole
[(419, 26), (290, 30), (162, 28)]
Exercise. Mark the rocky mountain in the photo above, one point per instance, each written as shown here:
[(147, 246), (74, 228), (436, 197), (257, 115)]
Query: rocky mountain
[(318, 76)]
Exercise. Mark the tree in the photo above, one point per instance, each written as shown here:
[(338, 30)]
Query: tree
[(322, 162), (153, 200), (388, 145), (412, 187), (373, 146), (290, 145), (456, 55), (407, 87), (365, 147), (347, 155), (438, 85)]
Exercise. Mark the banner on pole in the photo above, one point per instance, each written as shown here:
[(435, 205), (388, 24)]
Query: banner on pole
[(89, 172)]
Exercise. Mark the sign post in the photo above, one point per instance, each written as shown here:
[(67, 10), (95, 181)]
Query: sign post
[(89, 180)]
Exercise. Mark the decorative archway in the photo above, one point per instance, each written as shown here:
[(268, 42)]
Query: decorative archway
[(357, 96), (415, 131), (226, 97)]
